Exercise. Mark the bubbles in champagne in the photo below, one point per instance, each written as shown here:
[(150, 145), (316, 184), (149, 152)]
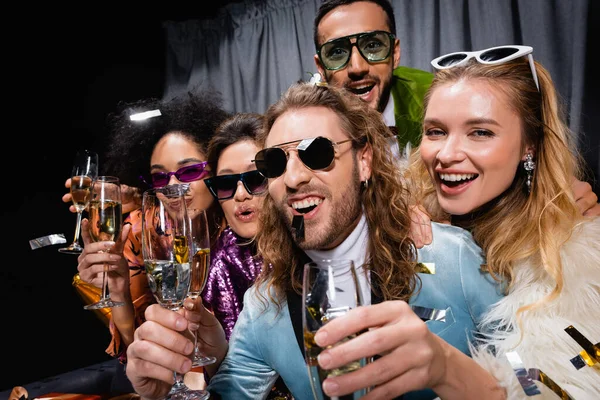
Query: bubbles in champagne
[(182, 251), (81, 189), (199, 272), (105, 220)]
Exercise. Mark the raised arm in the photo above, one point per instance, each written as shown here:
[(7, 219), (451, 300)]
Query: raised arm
[(90, 267)]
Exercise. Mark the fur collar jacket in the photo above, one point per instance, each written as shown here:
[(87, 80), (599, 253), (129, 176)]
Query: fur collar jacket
[(540, 340)]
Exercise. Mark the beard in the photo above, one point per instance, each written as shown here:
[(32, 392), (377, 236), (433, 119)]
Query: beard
[(385, 86), (326, 231)]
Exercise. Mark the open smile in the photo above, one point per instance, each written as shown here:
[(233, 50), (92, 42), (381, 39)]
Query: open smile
[(453, 184), (306, 206), (363, 90)]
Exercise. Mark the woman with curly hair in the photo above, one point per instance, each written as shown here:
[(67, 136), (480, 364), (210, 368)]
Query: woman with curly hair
[(153, 142)]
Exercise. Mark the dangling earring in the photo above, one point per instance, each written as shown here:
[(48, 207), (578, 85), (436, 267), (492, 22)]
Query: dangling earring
[(365, 184), (529, 166)]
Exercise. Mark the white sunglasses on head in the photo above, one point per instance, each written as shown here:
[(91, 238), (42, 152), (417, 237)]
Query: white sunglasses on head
[(491, 56)]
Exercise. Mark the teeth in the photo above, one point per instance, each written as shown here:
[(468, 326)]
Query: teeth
[(306, 203), (456, 177)]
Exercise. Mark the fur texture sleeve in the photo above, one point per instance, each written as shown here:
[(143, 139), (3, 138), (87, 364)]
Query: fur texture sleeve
[(540, 338)]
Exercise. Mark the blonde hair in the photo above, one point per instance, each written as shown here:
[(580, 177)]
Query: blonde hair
[(391, 252), (517, 224)]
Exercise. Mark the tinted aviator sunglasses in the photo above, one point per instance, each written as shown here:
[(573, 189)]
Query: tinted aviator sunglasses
[(492, 56), (373, 46), (223, 187), (186, 174), (315, 153)]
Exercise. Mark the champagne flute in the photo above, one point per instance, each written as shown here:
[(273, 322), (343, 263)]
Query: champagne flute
[(330, 288), (199, 271), (105, 224), (166, 247), (85, 171)]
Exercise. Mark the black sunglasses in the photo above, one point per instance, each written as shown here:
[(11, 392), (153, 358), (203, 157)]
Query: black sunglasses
[(316, 153), (373, 46), (186, 174), (223, 187)]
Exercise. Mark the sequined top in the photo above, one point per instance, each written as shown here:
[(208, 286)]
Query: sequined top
[(234, 267)]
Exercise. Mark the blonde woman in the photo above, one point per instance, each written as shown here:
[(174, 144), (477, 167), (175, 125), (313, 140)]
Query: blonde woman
[(500, 162)]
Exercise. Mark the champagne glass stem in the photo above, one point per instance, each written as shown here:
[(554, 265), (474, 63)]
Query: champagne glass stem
[(77, 228), (179, 384), (104, 282), (197, 354)]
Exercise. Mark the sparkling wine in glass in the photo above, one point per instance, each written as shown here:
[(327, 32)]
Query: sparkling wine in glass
[(105, 221), (168, 250), (199, 270), (330, 288), (85, 171)]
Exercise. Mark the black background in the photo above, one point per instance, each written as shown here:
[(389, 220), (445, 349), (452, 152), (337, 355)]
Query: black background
[(64, 70), (65, 73)]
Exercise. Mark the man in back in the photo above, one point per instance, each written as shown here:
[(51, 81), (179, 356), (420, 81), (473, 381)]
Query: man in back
[(373, 71)]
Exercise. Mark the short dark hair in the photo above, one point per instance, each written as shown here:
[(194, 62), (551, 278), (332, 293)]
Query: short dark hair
[(329, 5)]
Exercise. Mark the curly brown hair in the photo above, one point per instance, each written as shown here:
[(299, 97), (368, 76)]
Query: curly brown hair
[(391, 252)]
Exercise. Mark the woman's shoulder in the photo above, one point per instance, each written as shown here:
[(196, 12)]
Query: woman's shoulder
[(225, 244)]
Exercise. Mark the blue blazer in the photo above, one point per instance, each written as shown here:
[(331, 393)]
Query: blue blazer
[(267, 341)]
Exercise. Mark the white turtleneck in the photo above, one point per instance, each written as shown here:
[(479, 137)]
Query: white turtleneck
[(354, 248)]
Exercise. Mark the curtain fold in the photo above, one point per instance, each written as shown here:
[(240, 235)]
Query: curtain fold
[(253, 50)]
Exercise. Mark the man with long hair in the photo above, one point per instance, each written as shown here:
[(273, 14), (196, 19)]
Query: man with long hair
[(334, 192)]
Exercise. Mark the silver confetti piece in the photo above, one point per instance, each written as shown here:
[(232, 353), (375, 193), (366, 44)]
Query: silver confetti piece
[(429, 314), (49, 240)]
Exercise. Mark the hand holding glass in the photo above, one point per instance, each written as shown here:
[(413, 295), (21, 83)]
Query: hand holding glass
[(330, 289), (167, 247), (105, 224), (85, 171)]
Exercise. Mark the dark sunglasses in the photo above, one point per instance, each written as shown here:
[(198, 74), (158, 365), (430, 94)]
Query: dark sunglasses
[(186, 174), (373, 46), (492, 56), (223, 187), (316, 153)]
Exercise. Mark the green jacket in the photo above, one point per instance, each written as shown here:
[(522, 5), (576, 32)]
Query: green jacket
[(408, 90)]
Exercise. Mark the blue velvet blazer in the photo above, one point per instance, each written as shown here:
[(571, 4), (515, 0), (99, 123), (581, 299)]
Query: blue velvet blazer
[(267, 341)]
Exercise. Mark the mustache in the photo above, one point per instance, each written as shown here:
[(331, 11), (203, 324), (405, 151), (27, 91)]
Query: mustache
[(352, 79), (305, 190)]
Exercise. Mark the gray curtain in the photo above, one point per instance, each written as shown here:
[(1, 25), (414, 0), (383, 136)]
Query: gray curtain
[(254, 49)]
